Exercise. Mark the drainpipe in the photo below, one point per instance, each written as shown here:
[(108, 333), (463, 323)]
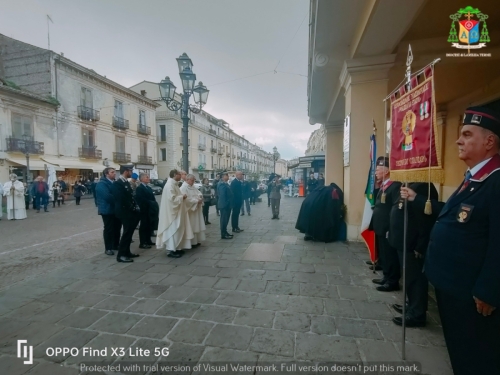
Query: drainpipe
[(57, 112)]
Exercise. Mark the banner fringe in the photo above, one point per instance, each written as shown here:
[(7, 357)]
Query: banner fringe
[(419, 175)]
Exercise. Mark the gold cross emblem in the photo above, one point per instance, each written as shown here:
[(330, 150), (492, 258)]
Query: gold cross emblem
[(462, 216)]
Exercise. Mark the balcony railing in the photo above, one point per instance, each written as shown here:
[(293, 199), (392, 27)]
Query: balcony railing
[(121, 157), (88, 114), (213, 150), (144, 159), (89, 152), (143, 129), (220, 152), (181, 142), (234, 156), (120, 123), (228, 154), (211, 131), (202, 146), (20, 145)]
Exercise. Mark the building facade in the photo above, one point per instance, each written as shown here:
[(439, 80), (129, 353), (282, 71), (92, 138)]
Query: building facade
[(98, 122), (213, 145), (356, 61)]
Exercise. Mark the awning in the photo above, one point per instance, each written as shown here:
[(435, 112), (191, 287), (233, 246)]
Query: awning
[(304, 165), (35, 164), (75, 164)]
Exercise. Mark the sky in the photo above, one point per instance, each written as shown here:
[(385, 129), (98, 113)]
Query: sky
[(129, 41)]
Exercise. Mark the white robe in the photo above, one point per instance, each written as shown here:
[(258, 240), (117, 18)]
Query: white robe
[(195, 212), (174, 230), (16, 207)]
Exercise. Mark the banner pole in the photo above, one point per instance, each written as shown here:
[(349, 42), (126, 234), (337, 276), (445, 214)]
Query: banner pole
[(373, 179)]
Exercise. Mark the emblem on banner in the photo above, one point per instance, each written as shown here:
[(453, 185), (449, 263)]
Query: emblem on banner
[(472, 30), (408, 128)]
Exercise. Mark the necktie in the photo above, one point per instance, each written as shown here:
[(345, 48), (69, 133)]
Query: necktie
[(468, 176)]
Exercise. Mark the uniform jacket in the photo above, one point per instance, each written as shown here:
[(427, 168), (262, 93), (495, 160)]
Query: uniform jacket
[(275, 191), (247, 191), (382, 211), (125, 205), (225, 195), (237, 190), (104, 197), (463, 257), (419, 224)]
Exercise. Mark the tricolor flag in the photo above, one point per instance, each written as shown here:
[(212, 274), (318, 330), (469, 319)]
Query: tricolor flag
[(367, 234)]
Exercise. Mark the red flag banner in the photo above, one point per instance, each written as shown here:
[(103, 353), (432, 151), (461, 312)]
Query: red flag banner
[(415, 154)]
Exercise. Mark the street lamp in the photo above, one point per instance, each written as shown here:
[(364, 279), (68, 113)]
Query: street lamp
[(276, 156), (28, 142), (200, 95)]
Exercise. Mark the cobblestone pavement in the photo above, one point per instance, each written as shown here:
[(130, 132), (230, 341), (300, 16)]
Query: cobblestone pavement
[(316, 304)]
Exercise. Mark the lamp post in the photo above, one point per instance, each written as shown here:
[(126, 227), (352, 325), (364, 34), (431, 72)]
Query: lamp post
[(28, 142), (276, 156), (200, 93)]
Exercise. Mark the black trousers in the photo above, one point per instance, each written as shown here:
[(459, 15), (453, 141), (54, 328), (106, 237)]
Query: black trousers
[(390, 261), (253, 197), (206, 208), (129, 224), (275, 207), (145, 229), (417, 285), (217, 204), (224, 220), (235, 217), (78, 200), (473, 340), (111, 231), (269, 199)]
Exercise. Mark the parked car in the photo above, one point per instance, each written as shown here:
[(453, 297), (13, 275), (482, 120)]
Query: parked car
[(156, 189), (197, 184), (160, 183)]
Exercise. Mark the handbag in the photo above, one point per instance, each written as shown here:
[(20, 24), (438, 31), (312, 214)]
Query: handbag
[(213, 201)]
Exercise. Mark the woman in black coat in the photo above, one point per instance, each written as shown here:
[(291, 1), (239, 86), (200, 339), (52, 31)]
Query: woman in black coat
[(78, 191)]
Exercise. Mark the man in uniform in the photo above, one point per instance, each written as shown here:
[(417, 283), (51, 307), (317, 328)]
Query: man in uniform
[(225, 201), (214, 186), (237, 191), (127, 210), (388, 193), (417, 238), (463, 257)]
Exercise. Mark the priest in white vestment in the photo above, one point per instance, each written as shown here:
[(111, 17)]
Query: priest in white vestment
[(194, 205), (174, 229), (14, 192)]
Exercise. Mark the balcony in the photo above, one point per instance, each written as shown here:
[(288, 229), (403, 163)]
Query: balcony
[(182, 143), (89, 152), (228, 154), (143, 129), (211, 131), (121, 157), (144, 159), (213, 150), (220, 152), (20, 145), (88, 114), (202, 146), (120, 123), (234, 156)]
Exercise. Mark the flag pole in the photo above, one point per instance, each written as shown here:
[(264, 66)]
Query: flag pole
[(48, 30), (373, 179)]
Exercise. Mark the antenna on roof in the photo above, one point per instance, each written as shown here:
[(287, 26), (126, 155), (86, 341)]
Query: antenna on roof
[(48, 29)]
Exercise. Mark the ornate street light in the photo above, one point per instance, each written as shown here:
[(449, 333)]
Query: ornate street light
[(27, 144), (276, 156), (200, 93)]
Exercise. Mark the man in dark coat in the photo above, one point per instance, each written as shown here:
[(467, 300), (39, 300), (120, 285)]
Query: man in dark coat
[(386, 196), (214, 186), (106, 208), (40, 190), (417, 238), (463, 257), (225, 200), (247, 192), (253, 191), (145, 198), (312, 183), (64, 187), (320, 215), (127, 210), (237, 190)]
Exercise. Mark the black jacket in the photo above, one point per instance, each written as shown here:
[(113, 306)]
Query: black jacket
[(247, 190), (225, 196), (125, 205), (237, 190), (382, 211), (214, 186), (419, 224), (143, 195)]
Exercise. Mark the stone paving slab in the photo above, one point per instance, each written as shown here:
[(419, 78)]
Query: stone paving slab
[(316, 304)]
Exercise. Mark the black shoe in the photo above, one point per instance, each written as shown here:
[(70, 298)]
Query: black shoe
[(45, 210), (226, 237), (109, 252), (208, 223), (229, 235), (377, 268), (308, 238), (174, 254), (249, 214), (274, 217), (379, 281), (241, 230), (134, 255), (409, 322), (132, 241), (146, 246), (151, 243), (370, 263), (398, 308), (243, 214), (37, 211), (194, 246), (124, 260), (236, 231), (388, 288)]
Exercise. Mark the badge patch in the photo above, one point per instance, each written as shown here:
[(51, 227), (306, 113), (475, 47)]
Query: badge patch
[(476, 119), (464, 213)]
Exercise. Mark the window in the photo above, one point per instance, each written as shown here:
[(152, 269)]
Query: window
[(163, 154), (86, 98), (143, 148), (212, 143), (118, 109), (142, 118), (212, 161), (120, 144), (21, 125), (88, 137), (163, 133)]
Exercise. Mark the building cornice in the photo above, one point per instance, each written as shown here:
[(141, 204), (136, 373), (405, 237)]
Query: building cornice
[(364, 70)]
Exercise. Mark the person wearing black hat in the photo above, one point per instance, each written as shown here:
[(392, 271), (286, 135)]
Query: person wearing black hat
[(386, 196), (127, 210), (225, 205), (463, 256)]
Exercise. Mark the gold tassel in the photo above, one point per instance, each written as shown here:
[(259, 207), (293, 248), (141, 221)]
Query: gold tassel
[(382, 199), (428, 207)]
